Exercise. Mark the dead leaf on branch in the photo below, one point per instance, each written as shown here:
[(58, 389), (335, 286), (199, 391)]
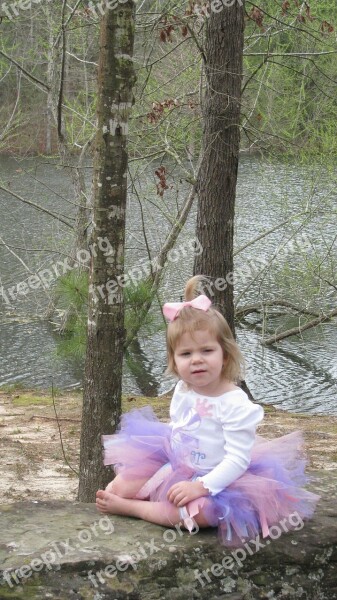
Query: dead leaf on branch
[(159, 107), (308, 13), (165, 33), (162, 184), (326, 27), (197, 8), (257, 16), (285, 7)]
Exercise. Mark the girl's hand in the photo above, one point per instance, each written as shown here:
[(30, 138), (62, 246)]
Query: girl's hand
[(183, 492)]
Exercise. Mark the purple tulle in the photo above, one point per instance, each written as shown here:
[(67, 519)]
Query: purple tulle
[(268, 493)]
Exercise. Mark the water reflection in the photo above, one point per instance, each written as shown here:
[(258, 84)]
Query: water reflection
[(300, 375)]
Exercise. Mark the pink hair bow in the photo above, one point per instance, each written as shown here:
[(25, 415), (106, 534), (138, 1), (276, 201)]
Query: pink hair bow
[(172, 309)]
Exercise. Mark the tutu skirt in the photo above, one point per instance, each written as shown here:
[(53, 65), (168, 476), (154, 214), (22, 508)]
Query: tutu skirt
[(270, 493)]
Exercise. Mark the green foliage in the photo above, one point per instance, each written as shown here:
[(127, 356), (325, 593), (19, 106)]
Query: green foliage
[(78, 122), (72, 291), (289, 102), (71, 300), (167, 116), (136, 297), (290, 99)]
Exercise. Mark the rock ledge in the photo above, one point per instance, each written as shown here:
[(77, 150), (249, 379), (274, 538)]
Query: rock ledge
[(65, 550)]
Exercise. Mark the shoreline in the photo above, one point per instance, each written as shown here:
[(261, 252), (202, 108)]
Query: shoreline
[(33, 465)]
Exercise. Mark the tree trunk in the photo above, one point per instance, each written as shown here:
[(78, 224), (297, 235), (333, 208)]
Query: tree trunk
[(50, 81), (221, 137), (104, 356)]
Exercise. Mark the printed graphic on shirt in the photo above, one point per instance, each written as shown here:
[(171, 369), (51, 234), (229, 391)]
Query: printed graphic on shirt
[(203, 409), (196, 457), (182, 437)]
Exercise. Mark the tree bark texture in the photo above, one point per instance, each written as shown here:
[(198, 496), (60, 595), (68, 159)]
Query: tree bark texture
[(104, 357), (221, 138)]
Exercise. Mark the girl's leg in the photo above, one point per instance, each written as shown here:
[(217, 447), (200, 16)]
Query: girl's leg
[(125, 488), (160, 513)]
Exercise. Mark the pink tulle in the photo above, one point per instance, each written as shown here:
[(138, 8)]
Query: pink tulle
[(269, 492)]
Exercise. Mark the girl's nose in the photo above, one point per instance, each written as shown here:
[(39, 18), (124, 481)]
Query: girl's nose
[(196, 357)]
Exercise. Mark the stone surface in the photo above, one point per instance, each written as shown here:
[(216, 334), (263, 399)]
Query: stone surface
[(56, 549)]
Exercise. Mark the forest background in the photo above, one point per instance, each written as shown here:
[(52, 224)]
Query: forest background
[(48, 61), (289, 101)]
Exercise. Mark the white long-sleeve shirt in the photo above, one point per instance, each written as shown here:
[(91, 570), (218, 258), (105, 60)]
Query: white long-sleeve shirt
[(215, 435)]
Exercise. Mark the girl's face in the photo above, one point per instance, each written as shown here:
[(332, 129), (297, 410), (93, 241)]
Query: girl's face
[(199, 361)]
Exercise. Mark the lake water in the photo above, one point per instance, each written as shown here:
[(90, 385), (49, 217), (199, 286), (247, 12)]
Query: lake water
[(300, 374)]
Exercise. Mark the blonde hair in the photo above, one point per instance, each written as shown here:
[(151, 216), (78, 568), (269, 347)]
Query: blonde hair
[(192, 319)]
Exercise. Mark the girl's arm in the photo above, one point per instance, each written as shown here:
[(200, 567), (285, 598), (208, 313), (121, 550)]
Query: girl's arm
[(239, 422)]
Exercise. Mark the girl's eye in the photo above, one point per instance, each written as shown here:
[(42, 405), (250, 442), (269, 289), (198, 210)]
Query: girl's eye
[(208, 350), (185, 354)]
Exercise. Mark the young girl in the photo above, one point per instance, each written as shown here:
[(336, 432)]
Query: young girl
[(206, 467)]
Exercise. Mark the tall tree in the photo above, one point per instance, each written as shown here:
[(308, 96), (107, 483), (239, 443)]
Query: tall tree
[(217, 178), (105, 340)]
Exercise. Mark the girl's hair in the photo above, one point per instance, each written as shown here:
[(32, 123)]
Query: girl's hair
[(192, 319)]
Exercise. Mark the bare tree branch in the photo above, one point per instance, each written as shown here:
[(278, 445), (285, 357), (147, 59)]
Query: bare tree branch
[(9, 123), (65, 25), (63, 66), (284, 24), (156, 277), (23, 70), (9, 248), (298, 54), (61, 218), (298, 330), (269, 231), (251, 308)]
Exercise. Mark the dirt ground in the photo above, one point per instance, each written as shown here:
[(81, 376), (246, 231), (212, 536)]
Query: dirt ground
[(33, 465)]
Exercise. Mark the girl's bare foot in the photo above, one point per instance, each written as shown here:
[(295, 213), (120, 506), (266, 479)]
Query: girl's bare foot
[(107, 502)]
